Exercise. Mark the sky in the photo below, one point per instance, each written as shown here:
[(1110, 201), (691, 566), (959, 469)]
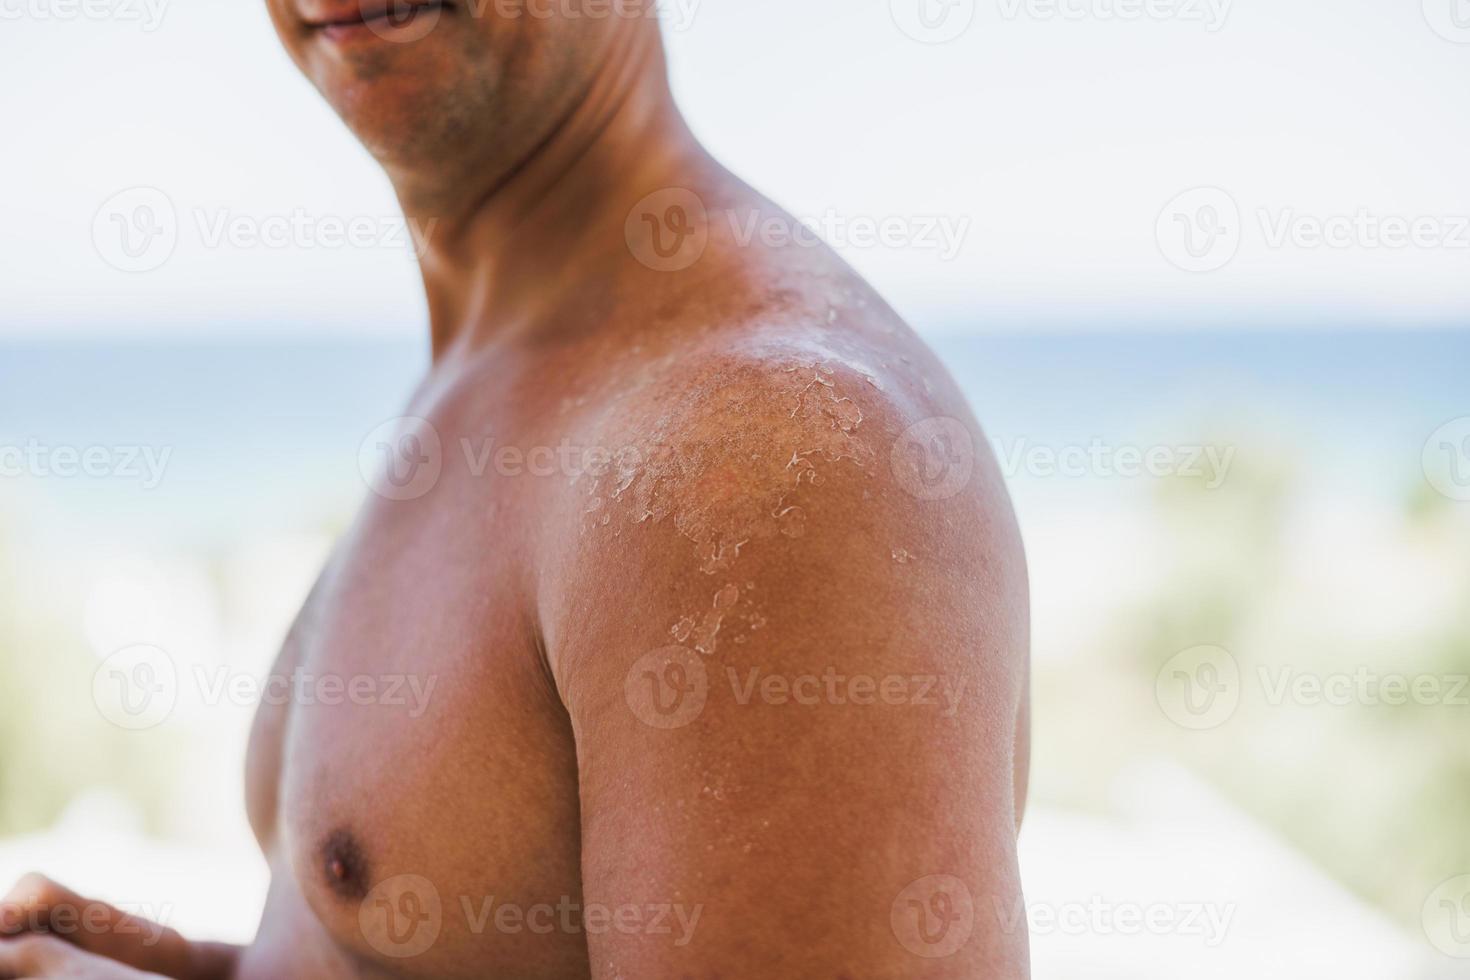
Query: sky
[(1044, 164)]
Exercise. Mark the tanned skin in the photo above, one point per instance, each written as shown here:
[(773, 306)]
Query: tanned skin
[(751, 678)]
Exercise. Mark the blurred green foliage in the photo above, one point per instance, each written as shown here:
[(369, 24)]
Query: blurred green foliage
[(55, 745)]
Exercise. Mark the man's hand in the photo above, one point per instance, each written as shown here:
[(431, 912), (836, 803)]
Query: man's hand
[(42, 922), (42, 956)]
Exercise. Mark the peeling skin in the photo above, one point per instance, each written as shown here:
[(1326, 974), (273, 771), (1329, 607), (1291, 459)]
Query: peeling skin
[(706, 637), (715, 467), (721, 509)]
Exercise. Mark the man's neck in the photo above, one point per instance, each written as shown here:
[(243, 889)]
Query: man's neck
[(496, 257)]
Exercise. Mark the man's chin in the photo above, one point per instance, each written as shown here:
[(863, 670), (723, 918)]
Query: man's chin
[(402, 118)]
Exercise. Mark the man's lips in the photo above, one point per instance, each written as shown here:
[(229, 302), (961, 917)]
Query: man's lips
[(359, 13)]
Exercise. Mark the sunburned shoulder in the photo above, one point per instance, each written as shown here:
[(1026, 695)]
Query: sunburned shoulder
[(786, 620), (790, 460)]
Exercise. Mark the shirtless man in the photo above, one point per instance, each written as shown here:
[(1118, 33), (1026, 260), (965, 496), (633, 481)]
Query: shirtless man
[(735, 688)]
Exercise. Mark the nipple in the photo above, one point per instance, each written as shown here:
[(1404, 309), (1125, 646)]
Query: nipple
[(345, 865)]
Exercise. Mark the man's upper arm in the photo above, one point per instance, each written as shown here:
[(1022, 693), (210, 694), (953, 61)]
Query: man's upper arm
[(795, 686)]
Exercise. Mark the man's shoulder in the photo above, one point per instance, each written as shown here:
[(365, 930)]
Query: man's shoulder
[(805, 458), (784, 407)]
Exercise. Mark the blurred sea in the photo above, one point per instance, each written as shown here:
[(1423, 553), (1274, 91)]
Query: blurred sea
[(264, 432)]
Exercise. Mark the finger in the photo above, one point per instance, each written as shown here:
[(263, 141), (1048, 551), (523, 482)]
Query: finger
[(24, 907), (32, 956), (39, 905)]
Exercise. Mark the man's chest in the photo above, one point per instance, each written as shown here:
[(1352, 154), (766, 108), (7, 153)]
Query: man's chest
[(412, 767)]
